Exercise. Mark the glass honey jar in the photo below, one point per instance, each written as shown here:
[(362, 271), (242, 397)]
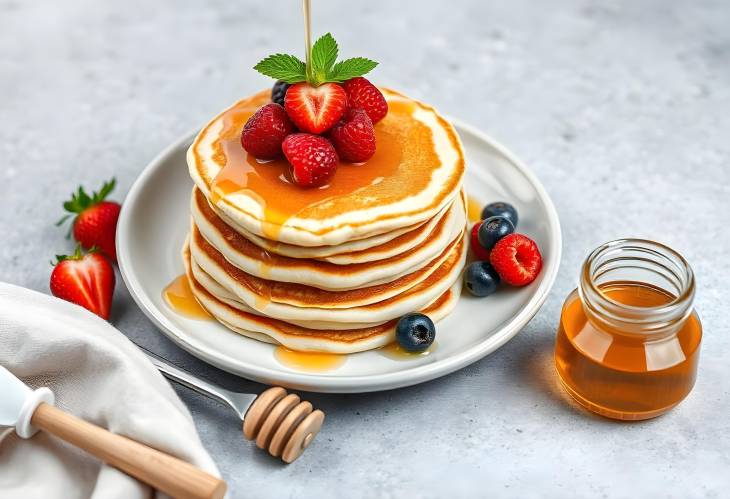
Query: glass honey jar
[(628, 342)]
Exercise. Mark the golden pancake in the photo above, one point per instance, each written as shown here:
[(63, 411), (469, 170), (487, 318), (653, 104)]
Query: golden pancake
[(259, 262), (304, 339), (416, 171)]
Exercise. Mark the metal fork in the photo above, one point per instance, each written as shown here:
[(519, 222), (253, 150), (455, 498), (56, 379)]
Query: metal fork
[(279, 421)]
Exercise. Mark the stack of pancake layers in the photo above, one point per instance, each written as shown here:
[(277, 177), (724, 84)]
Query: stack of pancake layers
[(329, 269)]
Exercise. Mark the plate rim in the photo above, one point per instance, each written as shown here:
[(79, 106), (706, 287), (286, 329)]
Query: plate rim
[(344, 384)]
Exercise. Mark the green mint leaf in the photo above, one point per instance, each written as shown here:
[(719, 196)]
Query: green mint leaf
[(283, 67), (350, 68), (324, 55)]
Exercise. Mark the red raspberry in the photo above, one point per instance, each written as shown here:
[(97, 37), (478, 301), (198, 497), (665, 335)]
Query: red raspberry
[(354, 137), (313, 159), (479, 251), (364, 95), (265, 131), (517, 259)]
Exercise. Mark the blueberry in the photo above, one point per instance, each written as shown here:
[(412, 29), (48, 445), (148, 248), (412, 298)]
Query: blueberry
[(481, 279), (500, 209), (492, 230), (415, 332), (278, 92)]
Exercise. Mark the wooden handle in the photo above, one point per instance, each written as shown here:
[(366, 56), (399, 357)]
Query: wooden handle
[(281, 423), (162, 471)]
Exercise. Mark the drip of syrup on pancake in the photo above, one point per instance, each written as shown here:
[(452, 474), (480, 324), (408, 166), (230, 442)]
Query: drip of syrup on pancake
[(179, 297), (269, 182), (308, 361)]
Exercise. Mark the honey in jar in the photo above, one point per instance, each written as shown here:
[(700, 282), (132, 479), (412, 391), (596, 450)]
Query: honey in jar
[(628, 342)]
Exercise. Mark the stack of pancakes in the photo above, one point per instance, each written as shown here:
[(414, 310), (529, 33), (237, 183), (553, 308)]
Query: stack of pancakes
[(328, 269)]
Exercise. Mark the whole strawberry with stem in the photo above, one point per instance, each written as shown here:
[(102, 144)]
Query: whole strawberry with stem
[(95, 222), (86, 280)]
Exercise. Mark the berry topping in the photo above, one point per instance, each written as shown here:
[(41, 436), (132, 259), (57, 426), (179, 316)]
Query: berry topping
[(362, 94), (96, 219), (86, 280), (278, 92), (354, 136), (517, 259), (265, 131), (481, 279), (415, 332), (492, 230), (500, 209), (313, 158), (315, 109), (476, 248)]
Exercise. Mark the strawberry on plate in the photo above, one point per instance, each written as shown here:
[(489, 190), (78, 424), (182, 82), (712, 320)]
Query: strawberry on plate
[(86, 280), (313, 159), (354, 137), (96, 219), (315, 109), (517, 259), (361, 94)]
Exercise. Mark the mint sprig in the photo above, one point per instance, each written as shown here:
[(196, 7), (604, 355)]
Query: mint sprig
[(323, 68)]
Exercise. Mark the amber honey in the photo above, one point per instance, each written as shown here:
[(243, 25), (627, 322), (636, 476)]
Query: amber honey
[(628, 349), (473, 209), (271, 185), (179, 297), (308, 361)]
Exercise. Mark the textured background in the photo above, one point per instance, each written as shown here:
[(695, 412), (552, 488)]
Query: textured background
[(621, 108)]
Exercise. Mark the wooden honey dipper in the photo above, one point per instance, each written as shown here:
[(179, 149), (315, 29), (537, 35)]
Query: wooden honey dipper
[(282, 423), (278, 421)]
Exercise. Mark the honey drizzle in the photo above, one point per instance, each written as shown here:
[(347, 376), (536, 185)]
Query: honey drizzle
[(308, 361), (270, 186), (179, 297)]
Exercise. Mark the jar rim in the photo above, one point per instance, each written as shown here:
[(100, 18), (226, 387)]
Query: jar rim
[(681, 303)]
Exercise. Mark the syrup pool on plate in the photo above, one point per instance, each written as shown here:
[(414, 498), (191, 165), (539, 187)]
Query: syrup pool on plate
[(308, 361), (396, 352), (179, 297)]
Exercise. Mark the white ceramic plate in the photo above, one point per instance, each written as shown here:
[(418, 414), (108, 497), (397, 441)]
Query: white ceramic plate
[(155, 220)]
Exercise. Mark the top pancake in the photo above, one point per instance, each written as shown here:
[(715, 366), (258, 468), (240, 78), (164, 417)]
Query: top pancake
[(416, 171)]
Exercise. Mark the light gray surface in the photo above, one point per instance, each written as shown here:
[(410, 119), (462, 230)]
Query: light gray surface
[(621, 108)]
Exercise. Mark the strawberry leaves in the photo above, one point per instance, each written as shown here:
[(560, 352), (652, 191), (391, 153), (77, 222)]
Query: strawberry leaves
[(322, 69)]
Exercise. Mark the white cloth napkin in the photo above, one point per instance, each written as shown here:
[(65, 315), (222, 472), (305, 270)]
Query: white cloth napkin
[(98, 375)]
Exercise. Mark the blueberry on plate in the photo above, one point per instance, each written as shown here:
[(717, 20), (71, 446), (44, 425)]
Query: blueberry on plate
[(492, 230), (278, 92), (481, 279), (415, 332), (500, 209)]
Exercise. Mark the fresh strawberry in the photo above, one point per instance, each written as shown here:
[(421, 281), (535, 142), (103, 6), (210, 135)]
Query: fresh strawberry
[(86, 280), (364, 95), (313, 159), (315, 109), (517, 259), (479, 251), (265, 131), (354, 136), (96, 219)]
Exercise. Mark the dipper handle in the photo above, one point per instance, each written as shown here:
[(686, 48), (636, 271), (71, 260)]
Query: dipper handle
[(165, 473)]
